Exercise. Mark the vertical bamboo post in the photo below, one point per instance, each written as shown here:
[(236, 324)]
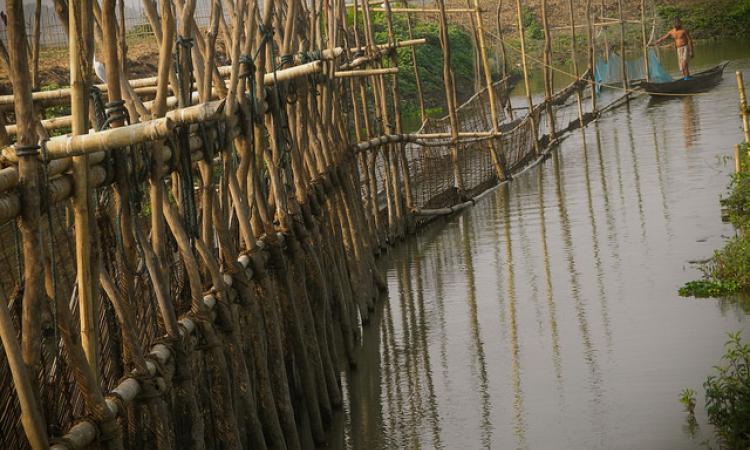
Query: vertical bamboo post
[(450, 97), (737, 161), (504, 54), (417, 80), (744, 112), (25, 361), (622, 47), (524, 65), (644, 41), (548, 72), (592, 53), (31, 415), (81, 24), (35, 44), (574, 56), (496, 159), (400, 153)]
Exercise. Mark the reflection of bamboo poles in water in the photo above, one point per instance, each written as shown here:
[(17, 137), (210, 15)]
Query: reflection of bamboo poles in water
[(596, 248), (423, 330), (527, 260), (411, 343), (618, 166), (637, 177), (471, 285), (589, 354), (519, 427), (440, 302), (551, 307), (659, 172), (394, 370), (611, 228)]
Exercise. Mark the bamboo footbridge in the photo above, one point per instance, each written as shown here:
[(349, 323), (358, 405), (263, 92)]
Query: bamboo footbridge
[(188, 260)]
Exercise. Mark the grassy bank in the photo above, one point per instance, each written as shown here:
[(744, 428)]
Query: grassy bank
[(710, 19), (728, 270)]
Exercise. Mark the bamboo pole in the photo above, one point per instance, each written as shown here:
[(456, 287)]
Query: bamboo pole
[(504, 54), (524, 65), (429, 10), (450, 97), (574, 57), (25, 360), (497, 159), (744, 111), (591, 52), (32, 419), (644, 41), (35, 44), (415, 67), (81, 24), (546, 69), (737, 159), (622, 47)]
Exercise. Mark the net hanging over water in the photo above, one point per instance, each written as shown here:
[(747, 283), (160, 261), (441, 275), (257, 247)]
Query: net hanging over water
[(609, 71)]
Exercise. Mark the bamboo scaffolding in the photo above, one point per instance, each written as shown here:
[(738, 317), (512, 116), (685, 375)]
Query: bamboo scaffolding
[(294, 210), (430, 10)]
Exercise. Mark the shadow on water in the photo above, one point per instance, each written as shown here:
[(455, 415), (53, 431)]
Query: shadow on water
[(547, 315)]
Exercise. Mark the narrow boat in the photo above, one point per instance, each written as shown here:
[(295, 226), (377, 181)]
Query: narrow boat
[(697, 82)]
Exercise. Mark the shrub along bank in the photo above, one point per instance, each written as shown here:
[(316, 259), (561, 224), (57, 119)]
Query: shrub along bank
[(728, 270)]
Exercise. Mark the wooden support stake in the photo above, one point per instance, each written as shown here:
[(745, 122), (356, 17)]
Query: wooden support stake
[(81, 24), (591, 52), (644, 41), (497, 159), (737, 160), (25, 362), (574, 57), (450, 97), (744, 112), (547, 70), (524, 65), (504, 54), (622, 48)]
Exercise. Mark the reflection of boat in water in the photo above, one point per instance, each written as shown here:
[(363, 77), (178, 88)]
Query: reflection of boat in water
[(698, 82)]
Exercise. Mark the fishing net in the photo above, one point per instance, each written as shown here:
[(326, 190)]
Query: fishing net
[(609, 71)]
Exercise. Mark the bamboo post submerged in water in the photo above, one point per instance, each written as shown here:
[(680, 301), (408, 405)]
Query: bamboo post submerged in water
[(527, 87), (450, 97), (591, 42), (744, 111), (623, 69), (546, 70), (497, 159)]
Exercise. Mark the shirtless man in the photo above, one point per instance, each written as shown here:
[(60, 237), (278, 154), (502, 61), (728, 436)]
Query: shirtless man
[(683, 43)]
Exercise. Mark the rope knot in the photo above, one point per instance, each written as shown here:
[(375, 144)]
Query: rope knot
[(186, 42), (26, 150)]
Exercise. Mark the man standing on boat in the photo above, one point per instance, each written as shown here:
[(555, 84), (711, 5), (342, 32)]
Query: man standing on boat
[(683, 43)]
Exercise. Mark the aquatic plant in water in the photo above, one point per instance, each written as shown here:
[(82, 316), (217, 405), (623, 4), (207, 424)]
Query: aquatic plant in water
[(727, 396)]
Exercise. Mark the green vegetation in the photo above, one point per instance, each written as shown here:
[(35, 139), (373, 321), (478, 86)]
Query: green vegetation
[(711, 18), (727, 396), (728, 271), (687, 398), (430, 63)]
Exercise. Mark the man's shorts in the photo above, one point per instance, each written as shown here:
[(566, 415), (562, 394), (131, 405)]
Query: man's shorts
[(682, 55)]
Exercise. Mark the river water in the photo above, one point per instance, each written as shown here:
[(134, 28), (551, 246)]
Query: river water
[(547, 316)]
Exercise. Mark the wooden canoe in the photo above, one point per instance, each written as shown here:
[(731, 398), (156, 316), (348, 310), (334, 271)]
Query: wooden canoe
[(698, 82)]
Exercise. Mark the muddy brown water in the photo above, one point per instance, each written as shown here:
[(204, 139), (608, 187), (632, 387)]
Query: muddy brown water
[(547, 316)]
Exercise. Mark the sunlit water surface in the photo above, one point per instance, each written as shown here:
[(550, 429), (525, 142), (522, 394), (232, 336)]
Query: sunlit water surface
[(547, 316)]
